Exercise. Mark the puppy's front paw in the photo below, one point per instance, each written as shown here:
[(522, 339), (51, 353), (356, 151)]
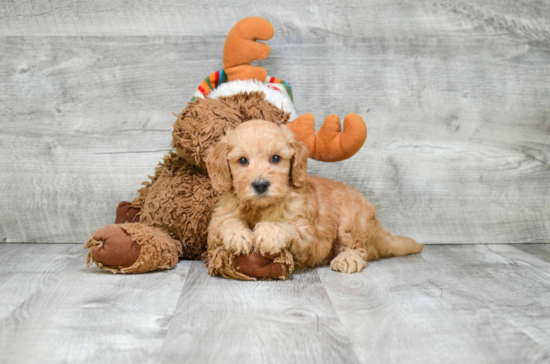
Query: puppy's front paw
[(269, 238), (238, 242), (349, 261)]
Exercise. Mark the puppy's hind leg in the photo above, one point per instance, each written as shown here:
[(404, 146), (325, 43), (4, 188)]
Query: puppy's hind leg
[(350, 258)]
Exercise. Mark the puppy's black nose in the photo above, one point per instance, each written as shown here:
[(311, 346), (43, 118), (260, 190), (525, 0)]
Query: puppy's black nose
[(260, 185)]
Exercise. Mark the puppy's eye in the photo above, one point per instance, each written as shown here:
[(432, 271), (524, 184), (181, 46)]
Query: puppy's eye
[(275, 159), (243, 161)]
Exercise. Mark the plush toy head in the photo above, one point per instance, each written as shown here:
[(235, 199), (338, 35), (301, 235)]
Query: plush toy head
[(205, 121)]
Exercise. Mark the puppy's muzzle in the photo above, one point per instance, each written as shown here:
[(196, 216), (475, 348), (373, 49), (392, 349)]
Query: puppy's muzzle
[(260, 186)]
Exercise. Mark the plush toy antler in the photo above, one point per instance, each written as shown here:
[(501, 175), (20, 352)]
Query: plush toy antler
[(330, 143), (241, 48)]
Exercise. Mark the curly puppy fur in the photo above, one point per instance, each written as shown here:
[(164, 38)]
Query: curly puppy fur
[(318, 220)]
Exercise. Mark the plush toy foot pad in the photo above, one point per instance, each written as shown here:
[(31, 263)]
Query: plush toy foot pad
[(115, 247), (258, 266), (249, 267)]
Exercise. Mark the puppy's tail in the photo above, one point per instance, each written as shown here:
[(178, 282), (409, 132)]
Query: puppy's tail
[(388, 245)]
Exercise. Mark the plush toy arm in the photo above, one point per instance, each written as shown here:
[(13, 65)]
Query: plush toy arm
[(330, 143), (241, 48), (131, 211), (126, 212), (142, 194)]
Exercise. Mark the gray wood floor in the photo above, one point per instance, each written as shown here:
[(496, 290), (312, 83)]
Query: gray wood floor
[(451, 304)]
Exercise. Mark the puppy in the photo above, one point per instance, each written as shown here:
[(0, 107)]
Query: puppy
[(270, 203)]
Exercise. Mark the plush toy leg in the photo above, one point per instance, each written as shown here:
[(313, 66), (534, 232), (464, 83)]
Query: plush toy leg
[(249, 267), (132, 248)]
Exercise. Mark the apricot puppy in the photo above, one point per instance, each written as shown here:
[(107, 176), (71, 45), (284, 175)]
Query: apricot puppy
[(270, 203)]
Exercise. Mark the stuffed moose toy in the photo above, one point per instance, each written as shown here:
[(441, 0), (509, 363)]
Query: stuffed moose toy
[(169, 219)]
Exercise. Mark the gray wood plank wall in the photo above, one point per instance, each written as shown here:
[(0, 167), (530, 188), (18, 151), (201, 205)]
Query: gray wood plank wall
[(456, 97)]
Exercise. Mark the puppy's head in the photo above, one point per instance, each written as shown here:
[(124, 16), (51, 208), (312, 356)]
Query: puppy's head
[(260, 160)]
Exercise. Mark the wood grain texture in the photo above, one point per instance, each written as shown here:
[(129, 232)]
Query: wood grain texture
[(450, 304), (78, 315), (540, 251), (289, 17), (456, 98), (223, 321), (24, 269)]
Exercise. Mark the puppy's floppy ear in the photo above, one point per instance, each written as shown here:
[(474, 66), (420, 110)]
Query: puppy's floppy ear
[(298, 172), (298, 163), (218, 167)]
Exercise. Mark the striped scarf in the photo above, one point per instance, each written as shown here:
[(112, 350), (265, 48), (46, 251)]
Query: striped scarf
[(219, 77)]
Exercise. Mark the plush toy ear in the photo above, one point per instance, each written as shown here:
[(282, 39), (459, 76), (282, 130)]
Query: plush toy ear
[(330, 143), (241, 48), (298, 163), (218, 167)]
